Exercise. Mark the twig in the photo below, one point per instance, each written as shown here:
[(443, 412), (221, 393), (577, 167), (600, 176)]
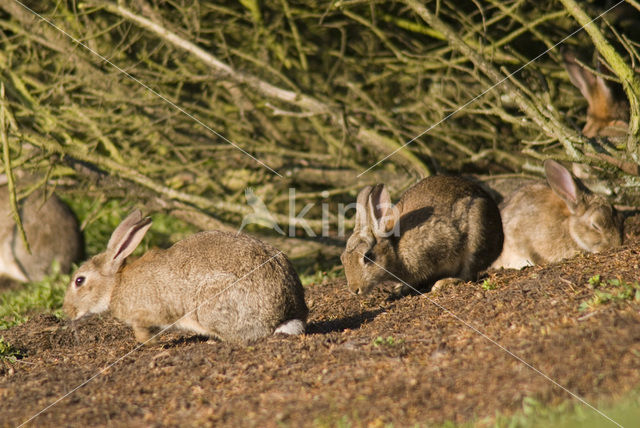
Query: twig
[(305, 102), (630, 81), (6, 121)]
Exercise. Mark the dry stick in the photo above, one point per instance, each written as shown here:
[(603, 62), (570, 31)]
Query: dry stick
[(93, 126), (379, 33), (295, 34), (6, 121), (468, 38), (52, 40), (148, 88), (530, 26), (634, 3), (384, 144), (302, 101), (109, 165), (547, 121), (630, 82), (378, 111)]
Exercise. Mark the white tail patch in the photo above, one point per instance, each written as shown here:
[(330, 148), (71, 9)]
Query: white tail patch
[(291, 327)]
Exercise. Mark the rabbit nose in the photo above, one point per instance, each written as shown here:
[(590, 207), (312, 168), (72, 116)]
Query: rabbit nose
[(357, 291)]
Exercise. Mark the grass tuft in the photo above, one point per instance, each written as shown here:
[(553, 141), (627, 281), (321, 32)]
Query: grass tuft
[(8, 352), (610, 291), (41, 296)]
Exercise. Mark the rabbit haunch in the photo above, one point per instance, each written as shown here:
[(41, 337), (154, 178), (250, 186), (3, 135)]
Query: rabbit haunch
[(548, 223), (442, 227), (214, 283)]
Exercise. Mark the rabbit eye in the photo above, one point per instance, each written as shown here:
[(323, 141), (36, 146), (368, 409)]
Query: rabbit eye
[(369, 257), (79, 281), (595, 226)]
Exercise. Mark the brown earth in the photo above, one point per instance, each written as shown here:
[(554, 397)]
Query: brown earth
[(417, 359)]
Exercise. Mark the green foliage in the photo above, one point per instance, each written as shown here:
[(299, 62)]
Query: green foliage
[(611, 291), (333, 421), (8, 352), (102, 218), (277, 60), (488, 285), (570, 414), (534, 413), (41, 296), (321, 276), (594, 281), (386, 341)]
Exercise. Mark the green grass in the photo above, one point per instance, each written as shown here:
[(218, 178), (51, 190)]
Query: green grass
[(570, 414), (8, 352), (320, 274), (386, 341), (102, 218), (488, 285), (610, 291), (35, 297), (47, 295), (534, 414)]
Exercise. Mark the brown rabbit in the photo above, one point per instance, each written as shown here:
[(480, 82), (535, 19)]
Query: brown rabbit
[(442, 227), (545, 224), (608, 111), (226, 285), (52, 232)]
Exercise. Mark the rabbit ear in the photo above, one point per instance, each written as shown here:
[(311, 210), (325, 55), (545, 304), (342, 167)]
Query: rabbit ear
[(125, 239), (562, 184), (383, 215), (580, 77), (361, 208), (598, 94)]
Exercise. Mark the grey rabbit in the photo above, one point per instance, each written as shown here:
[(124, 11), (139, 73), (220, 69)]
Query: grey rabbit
[(52, 233), (442, 227), (219, 284), (547, 223)]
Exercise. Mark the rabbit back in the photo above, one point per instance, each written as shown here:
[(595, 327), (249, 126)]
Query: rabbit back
[(461, 236), (230, 286), (52, 232), (542, 225), (536, 228), (447, 227)]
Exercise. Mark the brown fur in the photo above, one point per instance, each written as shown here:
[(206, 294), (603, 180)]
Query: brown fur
[(52, 232), (446, 227), (212, 283), (544, 224), (608, 111)]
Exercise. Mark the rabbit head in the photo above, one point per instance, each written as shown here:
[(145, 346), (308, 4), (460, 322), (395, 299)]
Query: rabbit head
[(370, 253), (608, 111), (593, 223), (91, 286)]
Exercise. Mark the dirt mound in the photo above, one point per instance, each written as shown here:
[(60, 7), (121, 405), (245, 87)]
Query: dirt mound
[(464, 352)]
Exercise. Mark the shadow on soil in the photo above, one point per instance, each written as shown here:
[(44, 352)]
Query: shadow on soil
[(337, 325)]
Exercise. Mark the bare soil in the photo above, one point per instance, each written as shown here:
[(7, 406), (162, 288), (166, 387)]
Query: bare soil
[(459, 354)]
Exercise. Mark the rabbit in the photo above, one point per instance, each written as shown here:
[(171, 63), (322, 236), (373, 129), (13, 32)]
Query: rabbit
[(499, 186), (608, 111), (218, 284), (52, 232), (442, 227), (545, 224)]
